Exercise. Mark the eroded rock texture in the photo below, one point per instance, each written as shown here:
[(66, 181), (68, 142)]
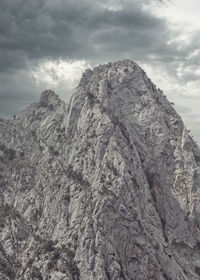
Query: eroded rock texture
[(107, 187)]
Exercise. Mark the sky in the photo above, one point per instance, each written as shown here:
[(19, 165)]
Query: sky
[(47, 44)]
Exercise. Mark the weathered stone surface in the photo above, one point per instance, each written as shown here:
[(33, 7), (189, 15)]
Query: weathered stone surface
[(107, 187)]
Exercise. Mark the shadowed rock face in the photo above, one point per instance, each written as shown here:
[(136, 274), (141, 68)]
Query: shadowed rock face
[(107, 187)]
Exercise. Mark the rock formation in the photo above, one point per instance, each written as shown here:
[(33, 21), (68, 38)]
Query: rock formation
[(107, 187)]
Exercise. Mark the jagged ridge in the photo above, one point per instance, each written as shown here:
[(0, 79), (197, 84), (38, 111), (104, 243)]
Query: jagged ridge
[(104, 188)]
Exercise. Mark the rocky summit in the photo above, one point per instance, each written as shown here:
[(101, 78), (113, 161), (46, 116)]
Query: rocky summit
[(104, 188)]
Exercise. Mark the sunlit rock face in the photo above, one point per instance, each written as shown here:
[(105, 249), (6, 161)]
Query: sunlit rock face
[(107, 187)]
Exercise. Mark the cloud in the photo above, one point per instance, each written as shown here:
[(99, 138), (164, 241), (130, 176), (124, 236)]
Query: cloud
[(22, 87), (17, 90), (33, 32)]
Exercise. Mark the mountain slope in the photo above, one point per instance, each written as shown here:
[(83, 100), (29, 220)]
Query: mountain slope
[(104, 188)]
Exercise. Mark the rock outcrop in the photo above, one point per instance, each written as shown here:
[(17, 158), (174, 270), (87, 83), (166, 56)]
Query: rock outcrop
[(107, 187)]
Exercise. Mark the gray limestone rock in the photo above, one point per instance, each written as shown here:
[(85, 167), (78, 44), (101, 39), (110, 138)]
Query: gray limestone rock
[(107, 187)]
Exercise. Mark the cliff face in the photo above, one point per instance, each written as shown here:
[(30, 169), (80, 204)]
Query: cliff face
[(107, 187)]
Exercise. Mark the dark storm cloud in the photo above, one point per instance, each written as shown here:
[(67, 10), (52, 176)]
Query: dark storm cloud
[(31, 30), (97, 31)]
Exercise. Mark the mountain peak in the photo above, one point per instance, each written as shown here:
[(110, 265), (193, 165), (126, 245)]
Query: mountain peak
[(123, 68), (48, 97), (46, 94), (124, 89), (117, 78), (106, 189)]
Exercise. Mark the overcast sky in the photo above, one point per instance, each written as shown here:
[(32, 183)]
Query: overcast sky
[(48, 43)]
